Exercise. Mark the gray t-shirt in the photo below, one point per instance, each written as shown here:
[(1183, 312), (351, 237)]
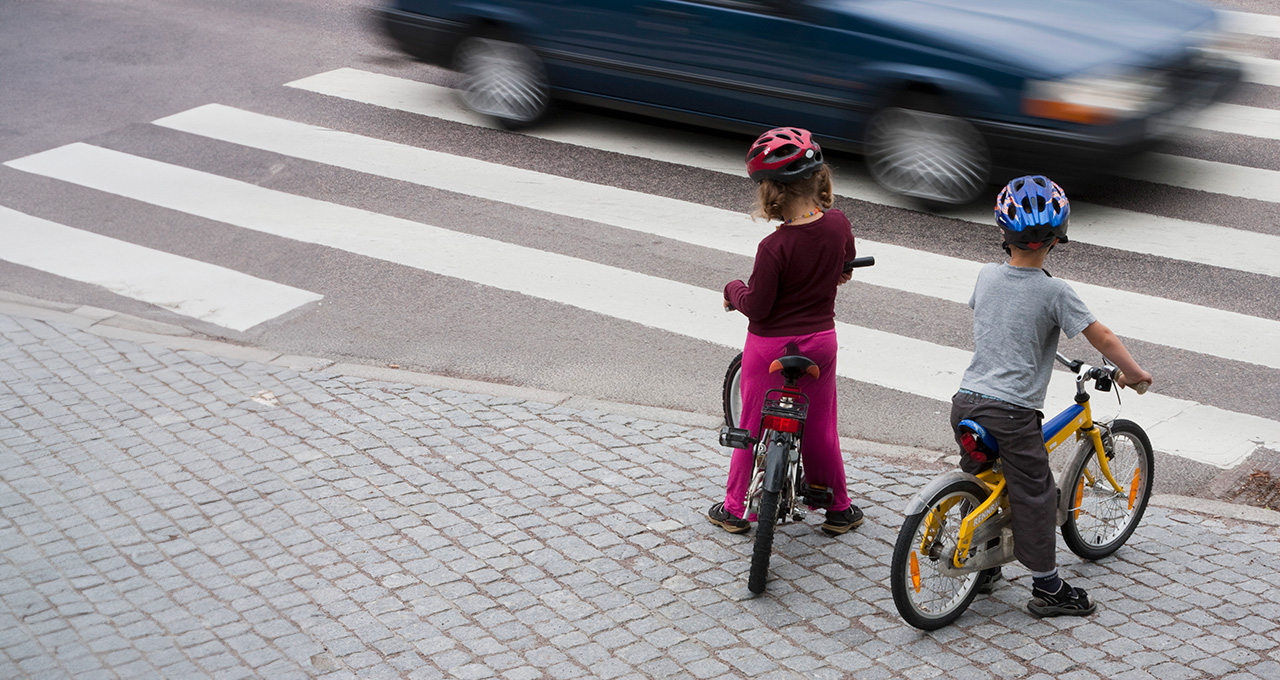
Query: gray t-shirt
[(1017, 314)]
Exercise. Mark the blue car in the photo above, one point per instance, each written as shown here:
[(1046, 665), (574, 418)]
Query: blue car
[(941, 97)]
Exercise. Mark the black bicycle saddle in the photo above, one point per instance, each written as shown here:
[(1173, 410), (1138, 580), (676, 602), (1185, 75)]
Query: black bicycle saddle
[(793, 366)]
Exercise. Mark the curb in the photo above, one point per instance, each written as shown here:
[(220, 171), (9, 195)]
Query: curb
[(108, 324)]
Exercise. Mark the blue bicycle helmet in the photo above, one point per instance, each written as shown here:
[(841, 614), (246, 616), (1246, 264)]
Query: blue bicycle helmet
[(1032, 211)]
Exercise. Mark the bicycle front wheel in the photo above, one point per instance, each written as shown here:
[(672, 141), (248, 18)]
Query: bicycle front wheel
[(731, 392), (1101, 518), (926, 597)]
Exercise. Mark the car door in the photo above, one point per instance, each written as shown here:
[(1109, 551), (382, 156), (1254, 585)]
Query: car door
[(754, 62), (760, 62)]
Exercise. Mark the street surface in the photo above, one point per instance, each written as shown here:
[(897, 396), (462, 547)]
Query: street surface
[(335, 200), (459, 418), (229, 512)]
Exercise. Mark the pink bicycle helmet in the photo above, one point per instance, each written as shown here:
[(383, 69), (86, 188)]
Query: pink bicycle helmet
[(784, 154)]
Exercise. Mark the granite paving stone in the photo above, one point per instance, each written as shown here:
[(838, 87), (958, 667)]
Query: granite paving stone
[(161, 517)]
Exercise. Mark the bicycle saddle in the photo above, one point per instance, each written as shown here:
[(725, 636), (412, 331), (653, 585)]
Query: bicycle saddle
[(793, 366)]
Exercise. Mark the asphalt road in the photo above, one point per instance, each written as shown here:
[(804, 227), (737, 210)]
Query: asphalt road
[(101, 73)]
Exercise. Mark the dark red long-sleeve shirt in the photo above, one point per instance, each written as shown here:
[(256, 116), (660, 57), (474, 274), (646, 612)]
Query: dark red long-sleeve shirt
[(792, 290)]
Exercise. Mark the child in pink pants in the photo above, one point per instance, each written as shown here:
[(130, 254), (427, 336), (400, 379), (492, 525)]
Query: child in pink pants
[(790, 303)]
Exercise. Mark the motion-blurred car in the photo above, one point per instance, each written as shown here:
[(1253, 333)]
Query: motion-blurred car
[(940, 96)]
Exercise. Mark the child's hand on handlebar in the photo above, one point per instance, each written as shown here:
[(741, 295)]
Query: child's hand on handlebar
[(1139, 382), (728, 306), (845, 277)]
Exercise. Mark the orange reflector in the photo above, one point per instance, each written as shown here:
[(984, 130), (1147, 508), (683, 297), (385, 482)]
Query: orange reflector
[(915, 571), (1079, 496), (1074, 113), (1133, 487), (780, 424)]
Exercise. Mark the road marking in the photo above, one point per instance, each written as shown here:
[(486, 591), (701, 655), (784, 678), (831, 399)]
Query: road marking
[(1168, 322), (1265, 25), (1260, 70), (1211, 176), (1249, 121), (200, 290), (1109, 227), (1188, 429)]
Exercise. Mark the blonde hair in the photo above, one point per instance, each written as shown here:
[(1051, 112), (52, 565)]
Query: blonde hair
[(775, 199)]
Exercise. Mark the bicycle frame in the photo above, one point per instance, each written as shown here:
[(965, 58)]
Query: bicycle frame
[(992, 519)]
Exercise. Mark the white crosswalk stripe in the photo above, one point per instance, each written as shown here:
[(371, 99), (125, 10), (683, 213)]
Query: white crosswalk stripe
[(1264, 25), (1249, 121), (640, 298), (1200, 329), (218, 295), (1261, 70), (1111, 227), (1211, 176)]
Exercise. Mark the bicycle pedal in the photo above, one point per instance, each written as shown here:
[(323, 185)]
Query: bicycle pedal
[(736, 438), (817, 495)]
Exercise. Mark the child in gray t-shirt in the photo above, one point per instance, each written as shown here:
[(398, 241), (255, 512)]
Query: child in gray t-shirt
[(1018, 313)]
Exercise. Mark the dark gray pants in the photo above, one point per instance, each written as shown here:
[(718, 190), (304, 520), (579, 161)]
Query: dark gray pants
[(1032, 494)]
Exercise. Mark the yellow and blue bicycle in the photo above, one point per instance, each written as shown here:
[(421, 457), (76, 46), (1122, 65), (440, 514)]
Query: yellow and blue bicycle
[(960, 525)]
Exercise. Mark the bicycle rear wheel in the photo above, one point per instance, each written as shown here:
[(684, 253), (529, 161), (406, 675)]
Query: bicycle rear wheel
[(926, 597), (1101, 519), (731, 392)]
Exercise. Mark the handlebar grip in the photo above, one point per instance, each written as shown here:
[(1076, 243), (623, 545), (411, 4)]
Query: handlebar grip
[(859, 262), (1140, 388)]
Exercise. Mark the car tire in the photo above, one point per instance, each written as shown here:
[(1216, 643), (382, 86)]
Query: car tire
[(914, 148), (502, 79)]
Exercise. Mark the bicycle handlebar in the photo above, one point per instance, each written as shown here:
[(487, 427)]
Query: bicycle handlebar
[(1112, 373), (859, 262)]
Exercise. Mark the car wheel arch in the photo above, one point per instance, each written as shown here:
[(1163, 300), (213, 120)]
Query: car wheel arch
[(918, 129)]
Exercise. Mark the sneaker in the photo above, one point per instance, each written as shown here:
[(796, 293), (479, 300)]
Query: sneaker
[(987, 580), (840, 522), (727, 521), (1067, 601)]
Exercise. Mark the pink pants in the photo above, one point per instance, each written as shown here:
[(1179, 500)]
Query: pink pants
[(820, 451)]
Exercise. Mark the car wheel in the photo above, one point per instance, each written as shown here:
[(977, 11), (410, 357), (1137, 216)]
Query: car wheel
[(503, 80), (915, 150)]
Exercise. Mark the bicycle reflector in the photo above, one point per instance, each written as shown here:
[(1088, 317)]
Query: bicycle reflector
[(780, 424), (977, 443)]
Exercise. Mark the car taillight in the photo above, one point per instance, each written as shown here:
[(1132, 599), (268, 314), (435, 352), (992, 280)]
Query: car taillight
[(780, 424)]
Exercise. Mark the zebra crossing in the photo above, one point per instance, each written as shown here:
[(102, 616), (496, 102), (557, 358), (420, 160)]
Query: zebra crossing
[(221, 296), (1191, 428)]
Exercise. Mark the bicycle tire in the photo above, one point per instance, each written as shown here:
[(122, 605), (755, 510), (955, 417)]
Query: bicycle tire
[(731, 392), (766, 519), (926, 598), (1100, 520)]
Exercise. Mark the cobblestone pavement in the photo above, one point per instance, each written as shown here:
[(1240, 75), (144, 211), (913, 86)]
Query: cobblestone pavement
[(171, 513)]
